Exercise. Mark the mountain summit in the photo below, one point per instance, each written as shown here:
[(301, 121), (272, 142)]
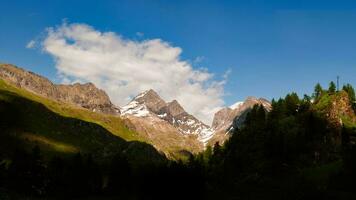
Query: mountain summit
[(165, 125), (228, 118), (151, 99), (223, 118), (150, 105)]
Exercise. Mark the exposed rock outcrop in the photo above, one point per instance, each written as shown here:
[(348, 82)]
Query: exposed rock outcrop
[(226, 119), (166, 125), (83, 95), (151, 106)]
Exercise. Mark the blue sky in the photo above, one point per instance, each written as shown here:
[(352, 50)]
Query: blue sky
[(271, 47)]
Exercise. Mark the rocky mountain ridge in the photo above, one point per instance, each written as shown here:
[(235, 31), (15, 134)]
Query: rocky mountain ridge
[(83, 95), (223, 118), (166, 125), (228, 118), (151, 106)]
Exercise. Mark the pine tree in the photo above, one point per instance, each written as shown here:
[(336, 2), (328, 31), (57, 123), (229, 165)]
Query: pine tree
[(120, 172), (207, 154), (332, 88), (292, 103), (351, 92), (217, 149), (318, 90)]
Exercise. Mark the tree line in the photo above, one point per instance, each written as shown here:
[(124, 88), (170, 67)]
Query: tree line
[(291, 152)]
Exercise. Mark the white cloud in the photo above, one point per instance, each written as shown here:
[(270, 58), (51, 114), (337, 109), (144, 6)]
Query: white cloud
[(199, 59), (140, 34), (124, 68), (31, 44), (227, 74)]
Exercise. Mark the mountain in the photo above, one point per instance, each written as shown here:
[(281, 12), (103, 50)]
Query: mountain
[(168, 116), (299, 142), (231, 117), (150, 103), (27, 119), (144, 115), (148, 118), (144, 104), (83, 95), (88, 103), (149, 108), (153, 110)]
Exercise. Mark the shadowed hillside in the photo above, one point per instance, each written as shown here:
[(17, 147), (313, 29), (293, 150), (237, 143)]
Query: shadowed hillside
[(30, 123), (301, 148)]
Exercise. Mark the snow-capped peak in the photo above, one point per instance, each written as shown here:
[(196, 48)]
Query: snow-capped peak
[(236, 105), (142, 94), (150, 105)]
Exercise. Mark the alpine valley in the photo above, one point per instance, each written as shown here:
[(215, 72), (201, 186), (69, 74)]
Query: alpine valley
[(147, 118), (71, 142)]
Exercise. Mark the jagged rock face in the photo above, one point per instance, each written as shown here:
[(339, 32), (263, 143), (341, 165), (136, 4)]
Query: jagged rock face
[(87, 96), (156, 131), (148, 104), (222, 118), (82, 95), (234, 116), (241, 112), (174, 109), (162, 135), (179, 118), (166, 125), (152, 100), (28, 80), (153, 118)]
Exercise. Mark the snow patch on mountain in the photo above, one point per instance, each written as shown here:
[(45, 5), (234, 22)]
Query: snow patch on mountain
[(195, 127), (141, 94), (191, 122), (162, 115), (205, 135), (148, 104), (236, 105), (135, 109)]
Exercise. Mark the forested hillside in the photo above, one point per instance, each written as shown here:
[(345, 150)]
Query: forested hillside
[(302, 148)]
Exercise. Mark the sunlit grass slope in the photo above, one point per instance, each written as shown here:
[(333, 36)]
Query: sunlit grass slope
[(27, 120), (113, 124)]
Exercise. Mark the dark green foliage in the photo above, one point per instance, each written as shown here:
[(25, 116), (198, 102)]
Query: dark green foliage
[(173, 181), (332, 88), (120, 175), (351, 92), (26, 173), (53, 171), (291, 152), (292, 104), (20, 116), (318, 91)]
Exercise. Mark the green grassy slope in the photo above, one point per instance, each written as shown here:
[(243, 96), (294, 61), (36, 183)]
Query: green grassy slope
[(113, 124), (27, 120)]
